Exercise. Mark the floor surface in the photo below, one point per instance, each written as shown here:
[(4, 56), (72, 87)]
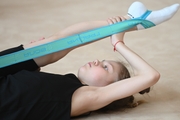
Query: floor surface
[(22, 21)]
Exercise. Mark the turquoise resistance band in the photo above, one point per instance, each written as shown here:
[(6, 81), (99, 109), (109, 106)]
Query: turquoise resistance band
[(71, 41)]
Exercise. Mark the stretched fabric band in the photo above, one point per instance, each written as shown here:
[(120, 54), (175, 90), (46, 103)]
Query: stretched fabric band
[(71, 41)]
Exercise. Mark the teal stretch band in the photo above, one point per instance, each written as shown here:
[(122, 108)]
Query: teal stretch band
[(71, 41), (145, 15)]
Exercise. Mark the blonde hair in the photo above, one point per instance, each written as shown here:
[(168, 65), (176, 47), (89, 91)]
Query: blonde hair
[(124, 72)]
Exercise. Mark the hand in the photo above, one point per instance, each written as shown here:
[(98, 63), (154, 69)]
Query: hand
[(119, 36)]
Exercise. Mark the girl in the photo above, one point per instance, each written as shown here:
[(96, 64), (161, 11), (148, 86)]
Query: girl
[(28, 94)]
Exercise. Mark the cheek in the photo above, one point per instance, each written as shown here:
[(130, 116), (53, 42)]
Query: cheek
[(98, 78), (95, 77)]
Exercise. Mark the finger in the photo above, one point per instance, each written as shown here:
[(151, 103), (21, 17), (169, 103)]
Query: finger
[(110, 21), (32, 41), (42, 38), (123, 18), (114, 20), (118, 19)]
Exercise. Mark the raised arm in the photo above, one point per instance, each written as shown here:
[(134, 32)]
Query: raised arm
[(71, 30), (137, 9), (145, 76), (94, 98)]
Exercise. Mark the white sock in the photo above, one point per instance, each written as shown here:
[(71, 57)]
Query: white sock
[(137, 9)]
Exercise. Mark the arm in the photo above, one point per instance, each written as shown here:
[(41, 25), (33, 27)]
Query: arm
[(71, 30), (145, 76), (94, 98)]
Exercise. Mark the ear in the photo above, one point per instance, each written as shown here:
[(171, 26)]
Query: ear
[(145, 91)]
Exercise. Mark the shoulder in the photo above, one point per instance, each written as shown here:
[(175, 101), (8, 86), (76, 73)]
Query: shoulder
[(81, 100), (86, 99)]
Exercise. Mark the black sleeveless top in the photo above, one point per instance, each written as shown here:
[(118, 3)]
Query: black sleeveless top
[(32, 95)]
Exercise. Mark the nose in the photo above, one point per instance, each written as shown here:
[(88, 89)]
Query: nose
[(96, 62)]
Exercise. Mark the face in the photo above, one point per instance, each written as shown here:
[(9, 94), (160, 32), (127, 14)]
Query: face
[(99, 73)]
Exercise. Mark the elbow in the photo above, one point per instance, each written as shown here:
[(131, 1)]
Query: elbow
[(155, 76)]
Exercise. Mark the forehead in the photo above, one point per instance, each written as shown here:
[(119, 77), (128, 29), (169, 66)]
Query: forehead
[(116, 65), (113, 62)]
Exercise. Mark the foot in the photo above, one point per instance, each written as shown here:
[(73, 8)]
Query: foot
[(137, 10)]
